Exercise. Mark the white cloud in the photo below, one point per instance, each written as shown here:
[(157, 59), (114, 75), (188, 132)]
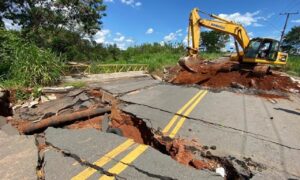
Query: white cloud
[(10, 25), (257, 25), (296, 21), (251, 35), (100, 36), (150, 31), (173, 36), (246, 19), (132, 3), (119, 39), (170, 37), (138, 4), (122, 41), (179, 31), (185, 40), (110, 1), (129, 40)]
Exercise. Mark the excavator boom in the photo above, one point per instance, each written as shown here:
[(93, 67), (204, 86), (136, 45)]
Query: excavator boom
[(267, 52)]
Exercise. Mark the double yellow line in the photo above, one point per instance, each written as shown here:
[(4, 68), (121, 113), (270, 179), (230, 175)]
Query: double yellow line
[(182, 113)]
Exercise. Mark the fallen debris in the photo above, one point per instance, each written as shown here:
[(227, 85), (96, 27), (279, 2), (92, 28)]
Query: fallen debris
[(31, 127), (224, 75)]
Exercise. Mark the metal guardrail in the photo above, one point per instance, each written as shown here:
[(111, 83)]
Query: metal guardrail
[(105, 68)]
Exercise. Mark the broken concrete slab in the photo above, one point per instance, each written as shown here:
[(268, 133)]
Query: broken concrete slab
[(119, 87), (163, 96), (2, 121), (74, 101), (151, 164), (9, 130), (105, 77), (255, 115), (228, 141), (18, 157), (58, 166), (273, 174)]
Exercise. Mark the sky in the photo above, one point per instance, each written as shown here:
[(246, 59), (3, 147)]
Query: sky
[(133, 22)]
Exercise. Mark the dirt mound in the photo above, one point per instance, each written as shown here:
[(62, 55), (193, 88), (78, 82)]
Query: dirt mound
[(223, 75)]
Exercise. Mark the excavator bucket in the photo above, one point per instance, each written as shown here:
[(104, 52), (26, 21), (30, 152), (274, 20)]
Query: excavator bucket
[(190, 63)]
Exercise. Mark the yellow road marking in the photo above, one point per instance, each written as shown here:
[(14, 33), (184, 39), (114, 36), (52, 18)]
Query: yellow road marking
[(186, 113), (123, 164), (118, 168), (172, 121), (105, 159)]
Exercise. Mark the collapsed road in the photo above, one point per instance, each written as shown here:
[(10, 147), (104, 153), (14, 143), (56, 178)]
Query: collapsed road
[(155, 130)]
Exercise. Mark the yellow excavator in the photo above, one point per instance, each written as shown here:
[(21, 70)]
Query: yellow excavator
[(256, 54)]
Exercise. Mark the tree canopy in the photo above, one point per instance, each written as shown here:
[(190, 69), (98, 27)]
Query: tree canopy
[(214, 41), (83, 16), (292, 39)]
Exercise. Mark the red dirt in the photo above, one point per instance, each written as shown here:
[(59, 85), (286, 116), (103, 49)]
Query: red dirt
[(95, 93), (137, 130), (90, 123), (212, 75), (198, 164), (178, 150), (130, 126)]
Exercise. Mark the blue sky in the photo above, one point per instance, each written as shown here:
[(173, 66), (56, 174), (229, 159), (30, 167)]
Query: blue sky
[(131, 22)]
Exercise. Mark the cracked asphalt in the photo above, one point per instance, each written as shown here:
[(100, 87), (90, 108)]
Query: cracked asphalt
[(238, 125)]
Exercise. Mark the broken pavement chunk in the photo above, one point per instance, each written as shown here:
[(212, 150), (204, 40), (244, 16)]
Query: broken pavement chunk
[(18, 157), (29, 128), (57, 89)]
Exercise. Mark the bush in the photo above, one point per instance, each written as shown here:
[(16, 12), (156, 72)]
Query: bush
[(24, 64), (9, 41), (33, 66)]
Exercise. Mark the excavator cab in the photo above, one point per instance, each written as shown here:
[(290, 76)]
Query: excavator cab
[(264, 51)]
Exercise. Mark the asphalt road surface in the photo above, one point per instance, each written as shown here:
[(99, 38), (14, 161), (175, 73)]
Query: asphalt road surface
[(240, 126)]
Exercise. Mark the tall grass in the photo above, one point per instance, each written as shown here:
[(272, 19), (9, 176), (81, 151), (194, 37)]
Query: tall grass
[(23, 64), (33, 66), (293, 65)]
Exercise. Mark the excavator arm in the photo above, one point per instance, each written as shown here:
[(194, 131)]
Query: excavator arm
[(250, 56), (219, 24)]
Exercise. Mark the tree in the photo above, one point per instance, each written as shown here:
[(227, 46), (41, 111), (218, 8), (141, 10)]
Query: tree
[(214, 41), (82, 16), (292, 39)]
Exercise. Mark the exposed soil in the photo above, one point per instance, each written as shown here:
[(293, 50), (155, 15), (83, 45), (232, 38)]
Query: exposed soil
[(186, 152), (131, 127), (90, 123), (218, 76), (183, 151)]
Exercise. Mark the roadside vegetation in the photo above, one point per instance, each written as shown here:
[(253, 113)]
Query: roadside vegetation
[(293, 65), (36, 54)]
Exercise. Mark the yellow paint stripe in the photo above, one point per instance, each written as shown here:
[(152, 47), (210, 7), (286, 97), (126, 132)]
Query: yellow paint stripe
[(172, 121), (105, 159), (123, 164), (186, 113)]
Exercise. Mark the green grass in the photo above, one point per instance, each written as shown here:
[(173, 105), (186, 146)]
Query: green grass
[(211, 56), (78, 84), (157, 61), (293, 65), (154, 60)]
